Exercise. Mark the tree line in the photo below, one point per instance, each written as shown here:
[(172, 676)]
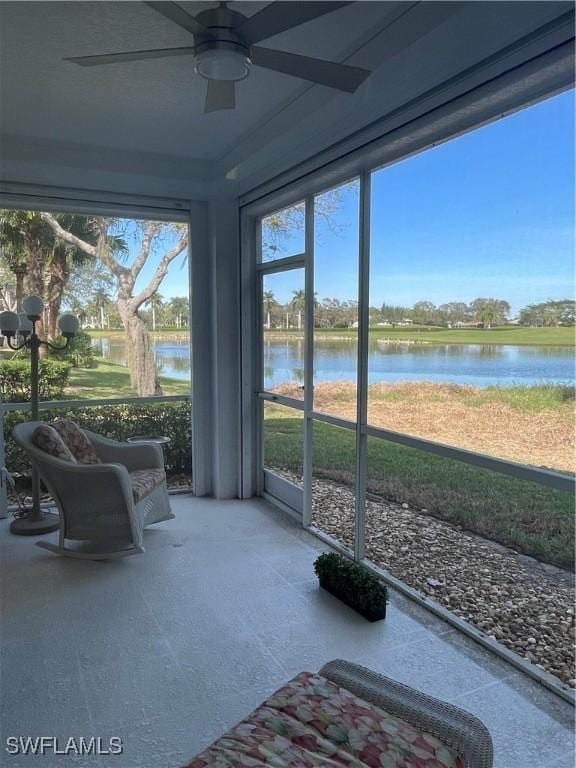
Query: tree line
[(479, 313), (99, 311)]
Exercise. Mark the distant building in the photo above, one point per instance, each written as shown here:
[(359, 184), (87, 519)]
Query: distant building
[(460, 324)]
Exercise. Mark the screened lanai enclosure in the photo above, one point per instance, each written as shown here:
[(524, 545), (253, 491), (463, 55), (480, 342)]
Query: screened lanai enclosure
[(394, 429), (346, 315)]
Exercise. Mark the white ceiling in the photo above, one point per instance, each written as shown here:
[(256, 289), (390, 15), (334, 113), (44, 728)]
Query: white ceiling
[(151, 106), (141, 124)]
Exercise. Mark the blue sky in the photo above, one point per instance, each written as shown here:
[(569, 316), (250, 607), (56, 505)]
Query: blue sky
[(176, 281), (490, 213)]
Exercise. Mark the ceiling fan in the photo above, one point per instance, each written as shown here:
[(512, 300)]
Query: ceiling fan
[(224, 48)]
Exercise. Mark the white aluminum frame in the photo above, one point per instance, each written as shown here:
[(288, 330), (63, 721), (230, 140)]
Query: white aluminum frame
[(37, 197), (362, 366), (48, 405), (264, 482), (307, 188), (308, 450)]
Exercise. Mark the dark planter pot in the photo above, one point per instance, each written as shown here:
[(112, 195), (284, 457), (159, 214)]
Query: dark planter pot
[(371, 615)]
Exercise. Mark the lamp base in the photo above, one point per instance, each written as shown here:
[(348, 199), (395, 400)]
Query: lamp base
[(26, 526)]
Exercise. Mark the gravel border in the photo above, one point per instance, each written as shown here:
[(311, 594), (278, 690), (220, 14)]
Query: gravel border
[(521, 603)]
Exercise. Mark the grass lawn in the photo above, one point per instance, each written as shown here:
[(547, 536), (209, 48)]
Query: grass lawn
[(105, 332), (507, 335), (109, 380), (529, 424), (563, 337), (512, 334), (531, 518), (528, 398)]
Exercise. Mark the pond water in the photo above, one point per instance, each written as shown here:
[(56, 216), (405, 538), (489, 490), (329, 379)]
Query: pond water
[(480, 365), (172, 353)]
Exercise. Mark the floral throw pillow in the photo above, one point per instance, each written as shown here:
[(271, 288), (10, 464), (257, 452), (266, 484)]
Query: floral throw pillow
[(48, 440), (77, 441)]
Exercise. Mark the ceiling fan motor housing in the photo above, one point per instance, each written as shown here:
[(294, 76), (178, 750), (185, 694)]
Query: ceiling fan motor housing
[(226, 46), (221, 54)]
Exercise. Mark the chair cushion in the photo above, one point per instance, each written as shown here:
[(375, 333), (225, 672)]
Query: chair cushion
[(77, 441), (48, 440), (313, 722), (145, 480)]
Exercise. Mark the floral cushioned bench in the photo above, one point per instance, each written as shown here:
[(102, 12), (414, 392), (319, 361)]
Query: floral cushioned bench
[(312, 721)]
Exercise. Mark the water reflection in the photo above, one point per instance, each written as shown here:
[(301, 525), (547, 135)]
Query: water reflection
[(381, 347), (335, 360), (172, 355)]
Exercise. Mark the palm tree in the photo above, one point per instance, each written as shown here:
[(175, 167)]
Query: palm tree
[(13, 254), (25, 242), (31, 245), (156, 304), (101, 300), (268, 303), (298, 304), (179, 307), (490, 311), (60, 261)]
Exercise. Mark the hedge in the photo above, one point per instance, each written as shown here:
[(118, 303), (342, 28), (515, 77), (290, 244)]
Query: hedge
[(118, 422), (15, 384)]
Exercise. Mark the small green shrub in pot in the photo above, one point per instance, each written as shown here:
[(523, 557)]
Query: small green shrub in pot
[(352, 583)]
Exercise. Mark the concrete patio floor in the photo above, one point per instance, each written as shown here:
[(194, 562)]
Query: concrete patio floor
[(168, 649)]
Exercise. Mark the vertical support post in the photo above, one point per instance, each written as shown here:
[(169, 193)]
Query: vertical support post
[(362, 394), (201, 330), (225, 296), (36, 521), (3, 470), (308, 450), (257, 295), (36, 513), (34, 365)]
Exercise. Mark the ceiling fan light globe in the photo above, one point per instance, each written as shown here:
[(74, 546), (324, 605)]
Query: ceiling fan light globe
[(222, 65)]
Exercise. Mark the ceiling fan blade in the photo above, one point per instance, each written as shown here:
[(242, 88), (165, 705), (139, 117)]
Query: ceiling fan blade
[(221, 94), (119, 58), (279, 16), (179, 16), (339, 76)]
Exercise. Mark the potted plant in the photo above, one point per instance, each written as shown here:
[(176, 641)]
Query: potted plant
[(352, 583)]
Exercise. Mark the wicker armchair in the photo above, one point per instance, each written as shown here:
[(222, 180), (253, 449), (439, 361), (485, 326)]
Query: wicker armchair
[(97, 504), (456, 728)]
